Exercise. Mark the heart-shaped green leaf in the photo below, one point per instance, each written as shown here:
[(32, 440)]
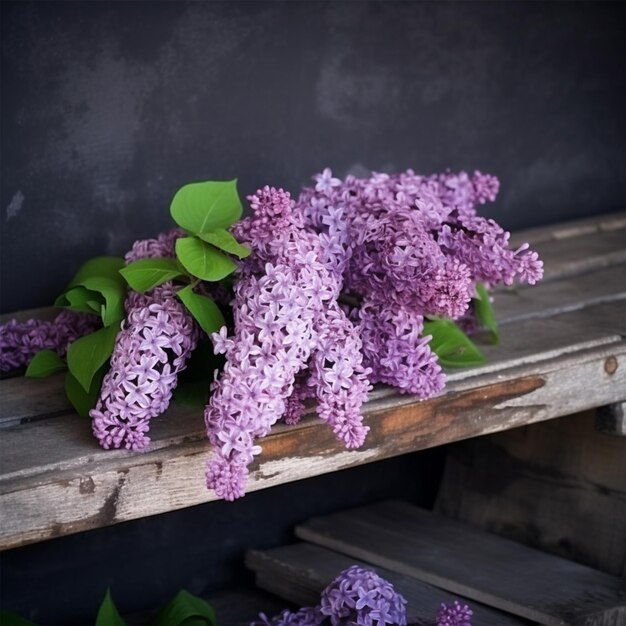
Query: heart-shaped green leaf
[(185, 609), (89, 353), (113, 293), (79, 299), (200, 207), (108, 615), (451, 345), (222, 239), (203, 309), (202, 260), (45, 363), (147, 274), (108, 266), (484, 312)]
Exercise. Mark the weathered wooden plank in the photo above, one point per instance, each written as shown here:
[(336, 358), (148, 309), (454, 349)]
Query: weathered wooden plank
[(577, 255), (560, 486), (299, 572), (522, 344), (572, 228), (611, 419), (469, 561), (101, 488), (569, 294)]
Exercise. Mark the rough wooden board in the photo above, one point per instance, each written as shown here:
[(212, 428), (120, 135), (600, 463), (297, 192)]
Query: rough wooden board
[(467, 560), (299, 572), (573, 228), (66, 442), (576, 255), (568, 294), (560, 486), (35, 506)]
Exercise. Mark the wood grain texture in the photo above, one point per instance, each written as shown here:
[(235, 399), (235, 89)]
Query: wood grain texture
[(93, 488), (299, 572), (560, 486), (466, 560)]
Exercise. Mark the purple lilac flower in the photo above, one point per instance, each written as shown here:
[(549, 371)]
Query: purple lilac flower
[(307, 616), (286, 320), (361, 597), (454, 615), (409, 246), (20, 341), (152, 347)]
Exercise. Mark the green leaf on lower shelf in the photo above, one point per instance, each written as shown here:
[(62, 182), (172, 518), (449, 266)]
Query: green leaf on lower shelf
[(8, 618), (83, 401), (484, 312), (45, 363), (451, 345), (108, 615), (185, 609), (203, 309), (202, 260), (89, 353)]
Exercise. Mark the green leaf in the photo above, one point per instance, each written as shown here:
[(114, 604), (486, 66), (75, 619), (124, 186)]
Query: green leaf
[(8, 618), (484, 312), (204, 310), (108, 615), (147, 274), (453, 347), (108, 266), (202, 260), (113, 293), (185, 609), (200, 207), (45, 363), (224, 240), (78, 299), (83, 401), (89, 353)]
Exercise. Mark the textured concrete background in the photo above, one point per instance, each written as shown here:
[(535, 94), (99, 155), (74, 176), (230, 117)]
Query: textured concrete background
[(108, 107)]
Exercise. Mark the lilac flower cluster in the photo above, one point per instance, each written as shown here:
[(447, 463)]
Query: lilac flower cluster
[(152, 347), (410, 246), (454, 615), (291, 341), (20, 341), (357, 597)]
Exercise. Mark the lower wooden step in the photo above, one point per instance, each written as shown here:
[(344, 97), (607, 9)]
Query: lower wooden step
[(472, 563), (299, 572)]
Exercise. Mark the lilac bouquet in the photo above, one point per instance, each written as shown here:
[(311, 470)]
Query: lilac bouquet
[(357, 281)]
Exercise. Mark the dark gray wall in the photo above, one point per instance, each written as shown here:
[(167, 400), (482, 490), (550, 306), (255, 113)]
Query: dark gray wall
[(108, 107)]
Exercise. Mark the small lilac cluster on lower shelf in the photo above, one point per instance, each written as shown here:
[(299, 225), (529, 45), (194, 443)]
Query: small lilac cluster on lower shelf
[(153, 346), (360, 597), (20, 341), (357, 596)]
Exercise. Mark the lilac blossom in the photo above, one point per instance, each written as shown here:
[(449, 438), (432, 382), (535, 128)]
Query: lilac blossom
[(20, 341), (454, 615), (286, 321), (410, 246), (152, 347), (357, 597)]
